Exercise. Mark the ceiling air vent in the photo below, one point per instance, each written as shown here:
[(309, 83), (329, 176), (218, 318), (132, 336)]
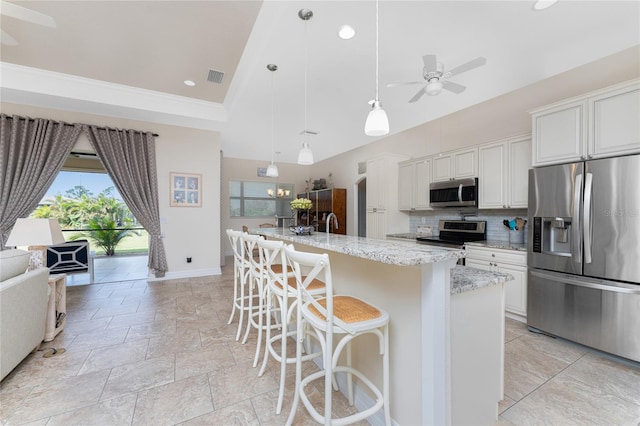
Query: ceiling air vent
[(215, 76)]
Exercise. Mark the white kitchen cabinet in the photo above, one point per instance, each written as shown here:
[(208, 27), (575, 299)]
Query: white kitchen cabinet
[(503, 169), (458, 164), (598, 124), (382, 197), (414, 178), (509, 261)]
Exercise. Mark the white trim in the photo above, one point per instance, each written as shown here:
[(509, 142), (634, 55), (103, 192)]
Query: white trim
[(186, 274), (26, 85)]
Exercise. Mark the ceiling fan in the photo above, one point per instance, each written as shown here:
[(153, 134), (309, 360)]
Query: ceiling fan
[(436, 79), (23, 14)]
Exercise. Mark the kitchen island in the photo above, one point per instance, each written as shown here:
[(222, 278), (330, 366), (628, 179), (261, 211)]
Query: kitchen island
[(446, 328)]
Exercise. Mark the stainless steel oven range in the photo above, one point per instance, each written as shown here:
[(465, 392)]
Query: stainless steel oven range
[(455, 233)]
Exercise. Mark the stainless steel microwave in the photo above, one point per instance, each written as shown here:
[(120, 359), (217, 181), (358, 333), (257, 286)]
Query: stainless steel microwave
[(454, 193)]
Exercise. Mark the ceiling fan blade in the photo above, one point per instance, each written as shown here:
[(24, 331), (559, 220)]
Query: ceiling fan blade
[(7, 40), (478, 62), (24, 14), (430, 62), (453, 87), (417, 96), (407, 83)]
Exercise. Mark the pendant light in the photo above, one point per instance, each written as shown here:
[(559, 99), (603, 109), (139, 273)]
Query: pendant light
[(377, 123), (305, 156), (272, 169)]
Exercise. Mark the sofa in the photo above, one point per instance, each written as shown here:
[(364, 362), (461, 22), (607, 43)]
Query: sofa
[(23, 308)]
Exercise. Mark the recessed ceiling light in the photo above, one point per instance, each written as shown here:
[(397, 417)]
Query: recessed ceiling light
[(189, 83), (346, 32), (543, 4)]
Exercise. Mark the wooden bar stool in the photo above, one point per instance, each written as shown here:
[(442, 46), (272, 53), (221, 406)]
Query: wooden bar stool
[(343, 318), (281, 303)]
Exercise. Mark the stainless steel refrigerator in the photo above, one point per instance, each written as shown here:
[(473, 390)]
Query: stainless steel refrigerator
[(584, 253)]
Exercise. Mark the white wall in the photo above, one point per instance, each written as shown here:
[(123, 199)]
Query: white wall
[(189, 231)]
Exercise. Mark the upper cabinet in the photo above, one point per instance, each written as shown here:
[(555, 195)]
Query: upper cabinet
[(599, 124), (503, 173), (382, 197), (458, 164), (414, 177)]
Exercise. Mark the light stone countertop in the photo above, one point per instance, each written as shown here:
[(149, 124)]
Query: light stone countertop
[(392, 252), (465, 278), (497, 244)]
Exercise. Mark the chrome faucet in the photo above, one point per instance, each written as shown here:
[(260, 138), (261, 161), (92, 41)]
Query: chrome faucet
[(329, 221)]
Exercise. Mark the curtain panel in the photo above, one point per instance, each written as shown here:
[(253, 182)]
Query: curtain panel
[(129, 156), (32, 151)]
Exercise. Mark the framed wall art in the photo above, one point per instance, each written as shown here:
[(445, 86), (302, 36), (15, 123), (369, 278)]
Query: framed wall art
[(186, 190)]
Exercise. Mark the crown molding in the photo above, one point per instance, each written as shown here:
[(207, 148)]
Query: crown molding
[(33, 86)]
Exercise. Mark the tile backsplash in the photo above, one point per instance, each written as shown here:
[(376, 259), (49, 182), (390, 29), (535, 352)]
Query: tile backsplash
[(495, 228)]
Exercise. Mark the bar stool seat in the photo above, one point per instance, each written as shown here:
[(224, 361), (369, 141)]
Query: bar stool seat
[(341, 318)]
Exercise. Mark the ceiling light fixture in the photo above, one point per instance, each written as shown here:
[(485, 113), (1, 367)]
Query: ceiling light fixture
[(346, 32), (189, 83), (272, 169), (305, 156), (434, 87), (377, 123), (544, 4)]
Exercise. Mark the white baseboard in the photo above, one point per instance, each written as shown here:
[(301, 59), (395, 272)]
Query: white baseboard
[(186, 274), (515, 316)]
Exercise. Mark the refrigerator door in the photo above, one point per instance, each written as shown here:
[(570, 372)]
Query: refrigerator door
[(612, 219), (555, 230)]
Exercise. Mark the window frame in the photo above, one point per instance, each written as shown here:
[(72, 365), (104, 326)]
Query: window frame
[(275, 187)]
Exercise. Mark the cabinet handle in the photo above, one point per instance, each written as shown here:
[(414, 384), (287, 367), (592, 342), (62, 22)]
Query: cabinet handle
[(504, 206), (493, 255)]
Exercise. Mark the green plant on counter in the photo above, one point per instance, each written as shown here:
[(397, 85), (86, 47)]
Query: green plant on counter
[(301, 204)]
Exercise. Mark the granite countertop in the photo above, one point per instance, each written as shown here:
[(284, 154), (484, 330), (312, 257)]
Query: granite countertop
[(407, 236), (465, 278), (392, 252), (497, 244)]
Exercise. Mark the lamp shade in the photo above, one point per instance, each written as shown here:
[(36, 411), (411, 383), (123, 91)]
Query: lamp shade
[(272, 170), (377, 123), (305, 156), (35, 232)]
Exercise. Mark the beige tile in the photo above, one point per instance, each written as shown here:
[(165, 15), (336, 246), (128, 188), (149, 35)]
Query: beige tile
[(10, 398), (514, 329), (60, 396), (174, 402), (93, 340), (504, 404), (183, 341), (139, 376), (128, 320), (116, 411), (114, 356), (238, 414), (152, 329), (567, 401), (110, 311), (224, 334), (86, 326), (611, 377), (79, 314), (203, 361), (237, 383)]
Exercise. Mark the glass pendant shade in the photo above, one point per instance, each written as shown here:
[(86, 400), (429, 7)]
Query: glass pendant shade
[(305, 156), (272, 170), (377, 123)]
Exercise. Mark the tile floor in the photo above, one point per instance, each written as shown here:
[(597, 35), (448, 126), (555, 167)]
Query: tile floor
[(112, 269), (161, 353)]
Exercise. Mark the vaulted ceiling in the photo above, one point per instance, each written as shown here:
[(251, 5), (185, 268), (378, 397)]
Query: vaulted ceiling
[(130, 58)]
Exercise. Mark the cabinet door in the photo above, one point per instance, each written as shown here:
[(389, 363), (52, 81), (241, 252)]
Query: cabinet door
[(376, 225), (442, 168), (422, 181), (516, 290), (519, 165), (465, 163), (480, 264), (376, 183), (492, 176), (406, 182), (559, 134), (615, 126)]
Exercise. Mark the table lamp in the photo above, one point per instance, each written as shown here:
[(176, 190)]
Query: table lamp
[(37, 234)]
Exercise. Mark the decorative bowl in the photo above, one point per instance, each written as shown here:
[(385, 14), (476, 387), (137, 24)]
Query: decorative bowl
[(301, 230)]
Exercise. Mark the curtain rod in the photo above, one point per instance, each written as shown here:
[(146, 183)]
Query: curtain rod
[(10, 117)]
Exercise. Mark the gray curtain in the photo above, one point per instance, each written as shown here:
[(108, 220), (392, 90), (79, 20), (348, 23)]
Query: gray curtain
[(32, 151), (129, 157)]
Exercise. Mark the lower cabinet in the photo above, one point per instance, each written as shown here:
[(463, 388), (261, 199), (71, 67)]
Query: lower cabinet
[(377, 224), (509, 261)]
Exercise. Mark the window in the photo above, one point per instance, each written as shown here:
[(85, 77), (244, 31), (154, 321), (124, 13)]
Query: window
[(256, 199)]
